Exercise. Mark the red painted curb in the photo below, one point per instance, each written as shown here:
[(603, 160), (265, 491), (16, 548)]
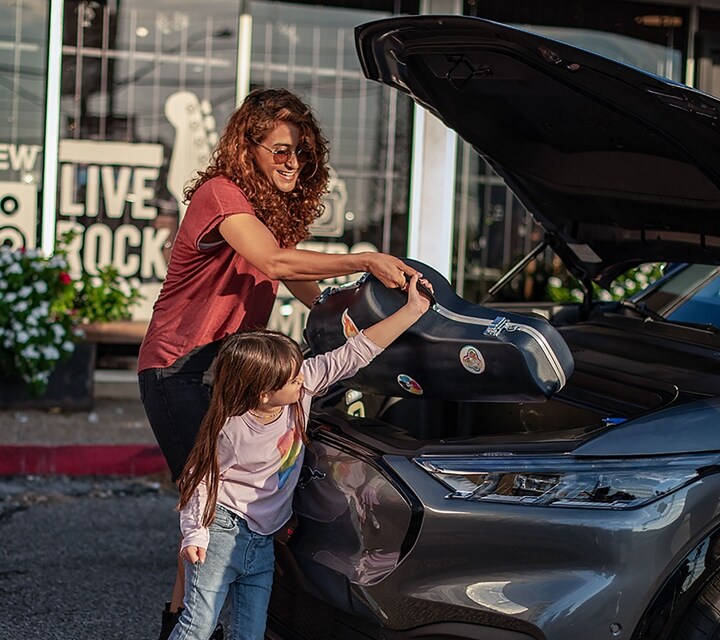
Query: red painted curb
[(81, 460)]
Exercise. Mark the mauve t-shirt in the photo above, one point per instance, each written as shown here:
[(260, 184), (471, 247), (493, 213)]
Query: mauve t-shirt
[(210, 290), (259, 464)]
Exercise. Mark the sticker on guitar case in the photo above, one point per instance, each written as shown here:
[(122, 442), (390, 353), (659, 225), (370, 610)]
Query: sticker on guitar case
[(410, 385), (349, 327), (471, 359)]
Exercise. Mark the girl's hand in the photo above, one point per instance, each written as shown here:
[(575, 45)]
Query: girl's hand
[(416, 300), (194, 554)]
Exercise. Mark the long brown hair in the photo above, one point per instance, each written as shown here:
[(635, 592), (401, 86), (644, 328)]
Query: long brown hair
[(248, 365), (287, 215)]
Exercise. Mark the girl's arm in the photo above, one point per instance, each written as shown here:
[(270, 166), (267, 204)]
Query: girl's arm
[(344, 362), (254, 241), (385, 332), (195, 535)]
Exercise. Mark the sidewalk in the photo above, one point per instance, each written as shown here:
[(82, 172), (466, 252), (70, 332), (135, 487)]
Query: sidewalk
[(112, 439)]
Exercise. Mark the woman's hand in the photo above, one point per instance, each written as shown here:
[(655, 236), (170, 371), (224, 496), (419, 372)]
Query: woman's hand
[(391, 271), (193, 554)]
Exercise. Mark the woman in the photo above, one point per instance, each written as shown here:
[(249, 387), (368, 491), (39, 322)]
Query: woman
[(247, 212)]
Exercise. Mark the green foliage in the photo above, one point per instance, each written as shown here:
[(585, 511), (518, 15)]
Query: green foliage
[(36, 320), (42, 309), (104, 297), (565, 288)]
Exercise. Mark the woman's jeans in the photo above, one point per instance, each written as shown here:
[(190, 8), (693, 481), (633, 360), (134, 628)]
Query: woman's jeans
[(239, 562)]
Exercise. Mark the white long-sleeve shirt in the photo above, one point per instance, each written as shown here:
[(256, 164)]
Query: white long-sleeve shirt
[(259, 464)]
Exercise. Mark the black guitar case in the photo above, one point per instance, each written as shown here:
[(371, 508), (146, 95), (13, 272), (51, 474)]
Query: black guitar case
[(456, 351)]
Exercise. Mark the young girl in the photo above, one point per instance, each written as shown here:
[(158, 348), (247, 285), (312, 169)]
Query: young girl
[(236, 489)]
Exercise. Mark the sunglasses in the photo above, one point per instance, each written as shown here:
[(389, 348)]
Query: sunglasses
[(282, 154)]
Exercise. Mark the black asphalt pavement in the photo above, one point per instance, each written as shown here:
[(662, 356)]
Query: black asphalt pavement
[(85, 559)]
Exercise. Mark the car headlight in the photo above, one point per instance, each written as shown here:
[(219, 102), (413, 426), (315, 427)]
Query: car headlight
[(564, 481)]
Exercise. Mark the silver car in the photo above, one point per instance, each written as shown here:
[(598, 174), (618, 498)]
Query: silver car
[(593, 515)]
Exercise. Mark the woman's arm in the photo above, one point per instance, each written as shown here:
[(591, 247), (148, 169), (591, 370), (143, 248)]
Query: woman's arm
[(253, 240), (305, 291)]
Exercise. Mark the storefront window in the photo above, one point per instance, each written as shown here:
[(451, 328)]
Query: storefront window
[(311, 50), (23, 58), (143, 86)]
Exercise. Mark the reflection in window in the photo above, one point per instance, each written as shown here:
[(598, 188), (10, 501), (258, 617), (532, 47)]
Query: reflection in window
[(23, 62)]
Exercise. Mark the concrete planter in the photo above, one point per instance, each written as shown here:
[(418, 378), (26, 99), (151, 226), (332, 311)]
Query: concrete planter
[(71, 386)]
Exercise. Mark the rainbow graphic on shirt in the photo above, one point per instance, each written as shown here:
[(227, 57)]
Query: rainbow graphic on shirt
[(289, 445)]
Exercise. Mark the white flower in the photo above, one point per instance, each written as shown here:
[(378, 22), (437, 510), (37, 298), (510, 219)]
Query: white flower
[(58, 330), (14, 268), (22, 337), (10, 297), (30, 352), (41, 287), (50, 352), (57, 262), (39, 312), (21, 306)]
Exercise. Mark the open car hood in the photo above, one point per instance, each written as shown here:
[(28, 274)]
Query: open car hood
[(619, 166)]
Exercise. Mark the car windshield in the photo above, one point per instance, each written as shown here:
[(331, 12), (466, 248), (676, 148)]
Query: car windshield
[(690, 294)]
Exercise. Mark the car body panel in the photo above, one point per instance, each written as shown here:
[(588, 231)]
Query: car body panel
[(562, 126), (568, 591), (688, 428)]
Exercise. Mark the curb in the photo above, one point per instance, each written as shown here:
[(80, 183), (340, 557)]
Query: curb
[(81, 460)]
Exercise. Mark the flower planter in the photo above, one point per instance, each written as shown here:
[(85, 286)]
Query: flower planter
[(71, 386)]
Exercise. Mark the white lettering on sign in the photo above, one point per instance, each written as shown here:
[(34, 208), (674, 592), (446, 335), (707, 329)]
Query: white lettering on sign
[(116, 188), (153, 261), (132, 251), (18, 157), (111, 185), (68, 207), (127, 236)]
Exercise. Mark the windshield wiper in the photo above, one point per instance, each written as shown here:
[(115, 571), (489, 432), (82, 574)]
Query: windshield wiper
[(643, 310), (646, 312)]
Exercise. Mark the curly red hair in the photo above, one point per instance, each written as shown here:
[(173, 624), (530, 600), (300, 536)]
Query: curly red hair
[(287, 215)]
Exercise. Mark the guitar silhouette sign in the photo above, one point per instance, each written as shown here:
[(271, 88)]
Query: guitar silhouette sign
[(195, 138)]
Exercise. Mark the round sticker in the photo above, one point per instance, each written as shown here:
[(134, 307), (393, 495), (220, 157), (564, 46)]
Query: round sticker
[(410, 385), (349, 327), (471, 359)]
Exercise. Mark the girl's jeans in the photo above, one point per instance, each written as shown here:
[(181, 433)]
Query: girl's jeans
[(238, 561)]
